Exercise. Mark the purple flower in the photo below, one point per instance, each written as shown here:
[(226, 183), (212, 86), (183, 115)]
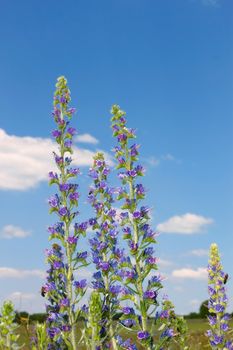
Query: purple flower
[(122, 137), (54, 201), (57, 265), (68, 144), (72, 240), (104, 265), (137, 215), (150, 294), (151, 260), (71, 131), (80, 284), (164, 314), (93, 221), (73, 171), (143, 335), (74, 196), (115, 289), (212, 320), (217, 340), (71, 110), (128, 310), (64, 187), (53, 331), (63, 99), (134, 150), (156, 279), (82, 255), (65, 302), (139, 189), (128, 322), (93, 173), (140, 170), (63, 211), (130, 274), (56, 133), (133, 246), (58, 159), (132, 173), (224, 327), (168, 333), (98, 284), (53, 176), (219, 308), (66, 328)]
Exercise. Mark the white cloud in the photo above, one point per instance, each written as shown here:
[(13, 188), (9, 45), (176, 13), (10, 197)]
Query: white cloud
[(211, 2), (19, 295), (164, 262), (26, 161), (11, 231), (199, 252), (9, 272), (199, 273), (152, 161), (184, 224), (168, 156), (195, 302), (86, 138), (155, 161), (25, 301)]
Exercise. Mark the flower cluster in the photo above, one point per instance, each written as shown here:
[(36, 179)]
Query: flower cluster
[(105, 253), (142, 285), (218, 318), (61, 288)]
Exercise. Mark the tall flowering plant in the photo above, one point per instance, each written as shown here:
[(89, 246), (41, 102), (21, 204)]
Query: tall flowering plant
[(218, 319), (142, 284), (105, 253), (62, 289)]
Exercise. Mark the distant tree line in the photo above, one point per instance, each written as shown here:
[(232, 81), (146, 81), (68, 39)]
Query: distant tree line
[(24, 317), (203, 312)]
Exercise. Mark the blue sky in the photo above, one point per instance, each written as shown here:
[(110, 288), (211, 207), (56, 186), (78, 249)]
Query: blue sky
[(169, 65)]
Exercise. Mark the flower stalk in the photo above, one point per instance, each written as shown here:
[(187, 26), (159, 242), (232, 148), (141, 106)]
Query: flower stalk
[(105, 254), (218, 318), (61, 289), (141, 284)]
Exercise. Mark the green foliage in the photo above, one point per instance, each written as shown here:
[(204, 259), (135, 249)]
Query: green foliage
[(39, 317), (92, 331), (170, 321), (40, 340), (21, 317), (8, 337), (204, 311), (192, 315)]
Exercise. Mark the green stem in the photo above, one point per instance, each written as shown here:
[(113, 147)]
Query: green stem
[(69, 258), (111, 331), (93, 344)]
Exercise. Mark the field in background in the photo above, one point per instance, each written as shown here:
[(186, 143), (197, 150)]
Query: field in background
[(196, 337)]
